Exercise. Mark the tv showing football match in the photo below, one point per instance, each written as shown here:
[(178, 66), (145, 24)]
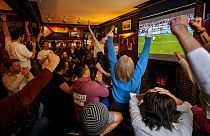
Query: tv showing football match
[(163, 40)]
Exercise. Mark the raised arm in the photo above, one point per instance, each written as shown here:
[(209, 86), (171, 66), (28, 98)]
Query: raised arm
[(111, 52), (143, 59), (27, 32), (196, 24), (179, 28), (98, 66), (33, 49), (135, 110), (39, 35), (7, 36), (91, 32), (66, 88), (164, 91), (4, 26), (185, 66), (102, 90), (199, 58)]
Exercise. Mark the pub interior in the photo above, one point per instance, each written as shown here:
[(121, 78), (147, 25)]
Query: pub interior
[(104, 68)]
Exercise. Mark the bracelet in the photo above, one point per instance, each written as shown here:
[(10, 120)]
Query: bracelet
[(201, 31), (4, 21)]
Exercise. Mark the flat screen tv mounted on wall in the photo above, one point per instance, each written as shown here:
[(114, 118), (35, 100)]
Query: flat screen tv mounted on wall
[(164, 43)]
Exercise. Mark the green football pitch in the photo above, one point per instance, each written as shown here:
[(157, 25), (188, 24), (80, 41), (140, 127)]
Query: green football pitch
[(161, 44)]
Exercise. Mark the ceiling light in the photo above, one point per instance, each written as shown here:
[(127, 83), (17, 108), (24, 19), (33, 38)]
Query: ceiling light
[(64, 19), (78, 22), (48, 18)]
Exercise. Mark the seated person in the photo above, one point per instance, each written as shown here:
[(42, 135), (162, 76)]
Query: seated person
[(85, 91), (16, 77), (157, 114), (97, 120), (12, 105)]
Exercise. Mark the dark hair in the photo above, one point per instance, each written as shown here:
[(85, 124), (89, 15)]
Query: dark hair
[(53, 45), (159, 110), (42, 43), (9, 63), (100, 37), (207, 47), (99, 55), (61, 65), (16, 34), (79, 69)]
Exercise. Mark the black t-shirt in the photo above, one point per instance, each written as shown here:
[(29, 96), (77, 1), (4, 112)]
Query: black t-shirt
[(30, 47), (58, 106), (105, 63), (54, 99)]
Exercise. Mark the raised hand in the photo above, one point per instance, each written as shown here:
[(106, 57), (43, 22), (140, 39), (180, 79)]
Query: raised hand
[(178, 55), (3, 17), (164, 91), (112, 28), (53, 61), (88, 23), (111, 34), (40, 28), (107, 74), (98, 76), (26, 23), (196, 24), (148, 32), (178, 23), (25, 72)]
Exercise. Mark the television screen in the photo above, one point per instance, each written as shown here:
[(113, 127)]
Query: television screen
[(163, 41)]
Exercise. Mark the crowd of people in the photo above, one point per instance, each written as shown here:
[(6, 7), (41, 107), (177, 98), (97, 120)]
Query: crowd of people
[(92, 91)]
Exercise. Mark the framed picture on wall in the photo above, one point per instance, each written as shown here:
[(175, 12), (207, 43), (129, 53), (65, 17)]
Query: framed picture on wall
[(126, 25)]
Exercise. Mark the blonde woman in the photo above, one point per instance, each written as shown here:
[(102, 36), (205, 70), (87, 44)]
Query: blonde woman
[(125, 77)]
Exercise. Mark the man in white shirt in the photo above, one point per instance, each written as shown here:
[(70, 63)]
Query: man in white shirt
[(14, 46), (98, 45), (43, 54)]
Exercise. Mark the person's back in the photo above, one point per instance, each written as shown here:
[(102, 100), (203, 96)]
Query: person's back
[(161, 114), (19, 51), (125, 78)]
